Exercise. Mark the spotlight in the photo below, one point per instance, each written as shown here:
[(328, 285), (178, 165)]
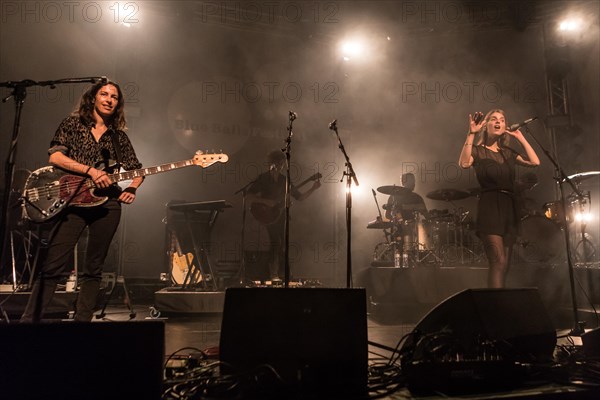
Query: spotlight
[(352, 49), (585, 217), (570, 25)]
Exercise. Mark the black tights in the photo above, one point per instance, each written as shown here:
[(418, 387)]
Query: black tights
[(498, 252)]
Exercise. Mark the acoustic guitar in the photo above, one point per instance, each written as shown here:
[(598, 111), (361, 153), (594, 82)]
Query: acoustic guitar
[(268, 215)]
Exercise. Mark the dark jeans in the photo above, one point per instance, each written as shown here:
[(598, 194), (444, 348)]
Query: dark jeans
[(102, 222)]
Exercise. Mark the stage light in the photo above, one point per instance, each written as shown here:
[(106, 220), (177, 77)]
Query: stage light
[(584, 217), (570, 25), (354, 48)]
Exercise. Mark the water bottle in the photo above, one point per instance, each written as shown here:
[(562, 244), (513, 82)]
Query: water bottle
[(397, 259), (70, 287), (404, 260)]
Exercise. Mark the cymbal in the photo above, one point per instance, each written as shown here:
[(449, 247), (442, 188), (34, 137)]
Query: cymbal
[(448, 194), (378, 224), (393, 190), (583, 176)]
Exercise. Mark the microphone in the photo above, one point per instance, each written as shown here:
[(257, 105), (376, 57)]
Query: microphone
[(514, 127), (293, 115), (333, 125)]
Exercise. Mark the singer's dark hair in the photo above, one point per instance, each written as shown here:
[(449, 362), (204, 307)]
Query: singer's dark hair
[(85, 111), (504, 140)]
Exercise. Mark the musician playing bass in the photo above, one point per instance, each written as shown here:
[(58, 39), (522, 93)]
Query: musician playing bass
[(94, 133), (267, 198)]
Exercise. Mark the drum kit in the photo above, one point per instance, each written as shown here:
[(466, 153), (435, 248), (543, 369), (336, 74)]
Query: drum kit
[(415, 236), (576, 213)]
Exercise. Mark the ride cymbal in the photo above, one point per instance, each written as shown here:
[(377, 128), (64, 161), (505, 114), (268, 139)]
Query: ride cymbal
[(393, 190)]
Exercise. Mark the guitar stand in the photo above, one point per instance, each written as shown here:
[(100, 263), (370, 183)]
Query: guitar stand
[(127, 300)]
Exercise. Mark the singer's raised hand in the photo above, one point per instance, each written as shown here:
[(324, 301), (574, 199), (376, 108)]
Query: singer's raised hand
[(476, 122)]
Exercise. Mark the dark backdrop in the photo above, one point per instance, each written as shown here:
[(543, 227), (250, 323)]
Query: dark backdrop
[(222, 76)]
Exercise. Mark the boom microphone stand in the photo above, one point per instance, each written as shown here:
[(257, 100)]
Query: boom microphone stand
[(19, 93), (561, 178), (350, 176)]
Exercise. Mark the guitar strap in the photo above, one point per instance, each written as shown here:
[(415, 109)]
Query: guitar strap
[(116, 145)]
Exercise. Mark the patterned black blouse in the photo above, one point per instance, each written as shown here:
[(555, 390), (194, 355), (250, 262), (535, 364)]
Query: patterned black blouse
[(75, 140)]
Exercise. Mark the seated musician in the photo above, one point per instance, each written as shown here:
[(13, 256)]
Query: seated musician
[(406, 204)]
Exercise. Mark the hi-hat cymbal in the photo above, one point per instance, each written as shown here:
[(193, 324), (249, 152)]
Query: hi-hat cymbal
[(448, 194), (379, 224), (393, 190)]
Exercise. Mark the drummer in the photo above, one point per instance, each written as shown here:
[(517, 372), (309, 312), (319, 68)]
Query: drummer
[(405, 205)]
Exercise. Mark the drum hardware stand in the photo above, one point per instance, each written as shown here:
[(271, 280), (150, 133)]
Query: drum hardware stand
[(578, 325), (350, 177), (584, 242), (385, 232)]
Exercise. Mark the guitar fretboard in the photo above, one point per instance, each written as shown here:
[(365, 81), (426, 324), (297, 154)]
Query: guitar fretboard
[(127, 175)]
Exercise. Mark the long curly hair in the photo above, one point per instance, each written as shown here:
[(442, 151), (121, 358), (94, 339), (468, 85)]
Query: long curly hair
[(85, 111), (483, 134)]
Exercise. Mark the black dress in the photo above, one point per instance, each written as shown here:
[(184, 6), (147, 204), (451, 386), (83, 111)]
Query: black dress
[(497, 212)]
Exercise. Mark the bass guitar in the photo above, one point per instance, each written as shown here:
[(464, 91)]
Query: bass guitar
[(268, 215), (50, 190)]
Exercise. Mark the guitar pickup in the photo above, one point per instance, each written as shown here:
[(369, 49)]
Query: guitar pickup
[(48, 188)]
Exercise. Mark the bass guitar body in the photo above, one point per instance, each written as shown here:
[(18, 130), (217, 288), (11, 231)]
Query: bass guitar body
[(49, 190)]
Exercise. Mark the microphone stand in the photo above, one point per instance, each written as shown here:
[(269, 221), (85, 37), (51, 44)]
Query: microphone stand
[(385, 232), (287, 150), (350, 176), (242, 272), (19, 93), (561, 177)]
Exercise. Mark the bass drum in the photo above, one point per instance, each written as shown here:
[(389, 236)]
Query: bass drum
[(540, 241)]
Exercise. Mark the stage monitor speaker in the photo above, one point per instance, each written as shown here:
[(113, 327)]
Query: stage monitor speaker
[(70, 360), (314, 338), (508, 323), (591, 343)]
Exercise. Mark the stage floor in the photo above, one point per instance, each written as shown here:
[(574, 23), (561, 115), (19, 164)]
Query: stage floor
[(193, 330), (185, 332)]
